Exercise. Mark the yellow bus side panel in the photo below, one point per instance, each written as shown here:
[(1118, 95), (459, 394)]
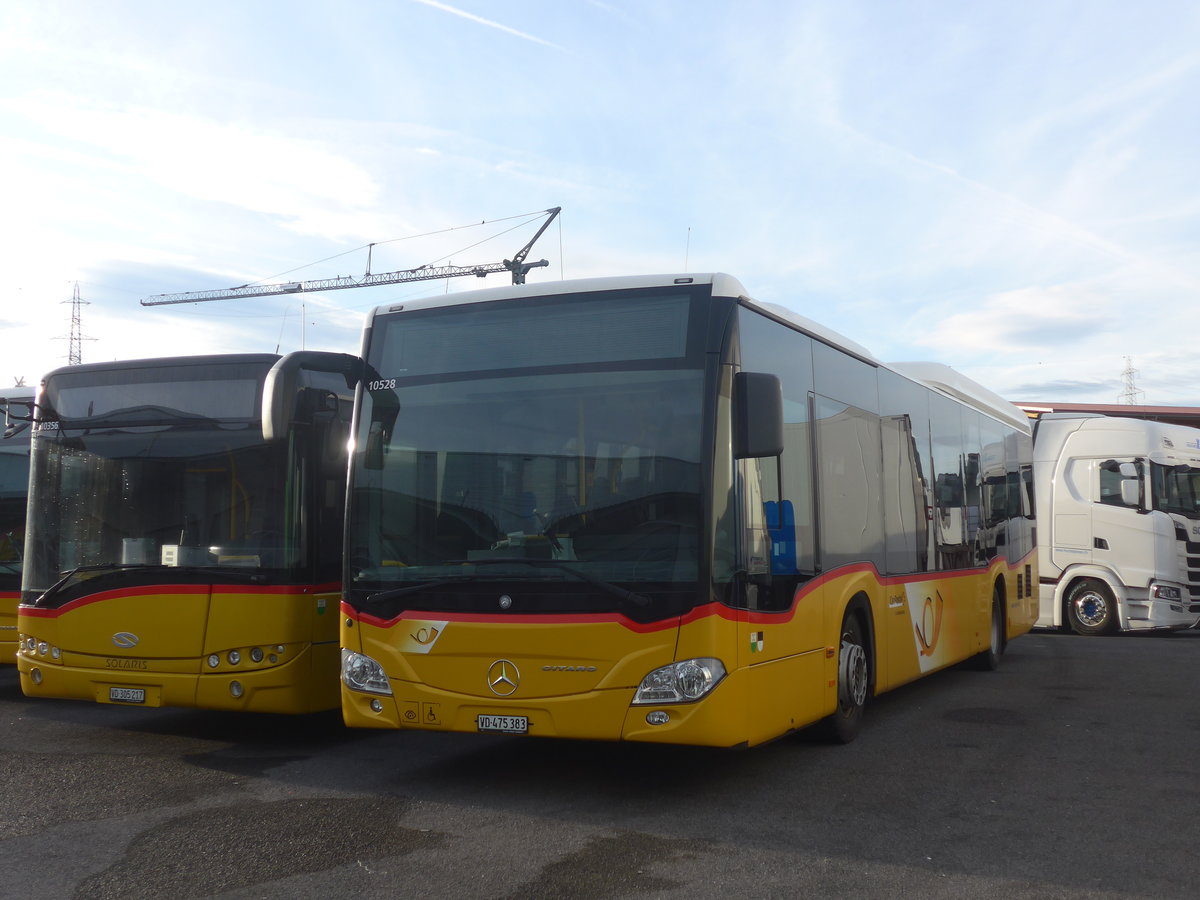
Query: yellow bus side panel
[(8, 626), (576, 677)]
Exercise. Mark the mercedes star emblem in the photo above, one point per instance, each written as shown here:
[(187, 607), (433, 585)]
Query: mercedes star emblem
[(503, 677)]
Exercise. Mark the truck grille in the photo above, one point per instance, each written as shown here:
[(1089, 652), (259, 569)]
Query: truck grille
[(1189, 562)]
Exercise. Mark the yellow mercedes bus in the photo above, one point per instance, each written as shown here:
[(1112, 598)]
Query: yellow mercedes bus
[(654, 509), (16, 405), (185, 543)]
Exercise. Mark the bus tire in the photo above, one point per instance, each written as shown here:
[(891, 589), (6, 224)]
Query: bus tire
[(854, 681), (1091, 607), (989, 659)]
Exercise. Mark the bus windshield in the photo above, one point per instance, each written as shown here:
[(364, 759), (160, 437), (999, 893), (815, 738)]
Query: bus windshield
[(555, 447), (14, 483), (160, 470)]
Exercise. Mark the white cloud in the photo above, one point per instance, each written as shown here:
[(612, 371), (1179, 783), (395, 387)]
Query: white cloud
[(1026, 320), (304, 183)]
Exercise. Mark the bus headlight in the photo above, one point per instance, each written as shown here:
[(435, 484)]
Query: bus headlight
[(361, 673), (680, 682)]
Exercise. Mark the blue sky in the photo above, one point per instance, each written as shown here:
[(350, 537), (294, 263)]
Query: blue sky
[(1007, 188)]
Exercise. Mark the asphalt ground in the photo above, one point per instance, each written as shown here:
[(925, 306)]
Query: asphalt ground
[(1070, 772)]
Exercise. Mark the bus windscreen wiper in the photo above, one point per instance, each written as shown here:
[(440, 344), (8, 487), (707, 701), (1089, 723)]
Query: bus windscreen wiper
[(135, 416), (395, 593), (80, 572), (614, 589)]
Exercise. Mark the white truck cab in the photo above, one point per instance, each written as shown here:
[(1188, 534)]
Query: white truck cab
[(1118, 513)]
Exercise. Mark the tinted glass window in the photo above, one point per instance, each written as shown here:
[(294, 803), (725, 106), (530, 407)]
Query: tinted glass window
[(577, 332), (906, 464), (850, 466), (768, 346), (217, 391), (846, 378), (554, 444)]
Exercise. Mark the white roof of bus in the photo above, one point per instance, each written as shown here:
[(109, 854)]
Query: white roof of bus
[(722, 286), (948, 381), (934, 375)]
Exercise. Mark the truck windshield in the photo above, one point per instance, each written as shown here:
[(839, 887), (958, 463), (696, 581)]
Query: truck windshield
[(1176, 489), (162, 483), (568, 434)]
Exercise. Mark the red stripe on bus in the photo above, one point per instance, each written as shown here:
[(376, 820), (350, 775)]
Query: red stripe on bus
[(702, 611), (189, 589)]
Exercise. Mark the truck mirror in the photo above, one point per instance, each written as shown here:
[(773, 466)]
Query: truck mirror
[(1130, 492), (757, 415), (1128, 470)]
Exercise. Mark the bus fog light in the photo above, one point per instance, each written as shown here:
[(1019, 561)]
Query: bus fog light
[(361, 673), (214, 661), (235, 657), (680, 682), (658, 717), (256, 654), (376, 706), (235, 688), (35, 675)]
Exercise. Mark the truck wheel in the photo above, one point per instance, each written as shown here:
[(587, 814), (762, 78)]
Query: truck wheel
[(1091, 607), (854, 675)]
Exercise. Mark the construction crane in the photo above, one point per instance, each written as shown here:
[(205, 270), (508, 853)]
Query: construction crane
[(517, 266)]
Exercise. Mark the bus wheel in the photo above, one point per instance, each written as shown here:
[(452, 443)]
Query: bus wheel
[(853, 683), (1091, 607), (989, 659)]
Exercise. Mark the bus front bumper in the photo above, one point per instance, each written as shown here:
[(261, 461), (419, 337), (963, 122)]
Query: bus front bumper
[(287, 688), (718, 720)]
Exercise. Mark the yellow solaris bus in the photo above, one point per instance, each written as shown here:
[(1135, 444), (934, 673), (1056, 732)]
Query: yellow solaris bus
[(184, 542), (16, 404), (654, 509)]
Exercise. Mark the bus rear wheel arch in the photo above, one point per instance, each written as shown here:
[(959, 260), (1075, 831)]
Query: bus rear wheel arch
[(1091, 607)]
